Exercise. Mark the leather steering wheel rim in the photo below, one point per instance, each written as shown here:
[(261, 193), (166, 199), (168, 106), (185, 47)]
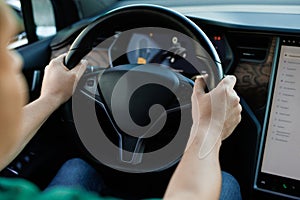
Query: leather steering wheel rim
[(84, 42)]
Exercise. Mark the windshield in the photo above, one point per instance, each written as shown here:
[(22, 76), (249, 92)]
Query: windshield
[(217, 2)]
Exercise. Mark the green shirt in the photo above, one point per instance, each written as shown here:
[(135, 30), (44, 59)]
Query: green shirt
[(20, 189)]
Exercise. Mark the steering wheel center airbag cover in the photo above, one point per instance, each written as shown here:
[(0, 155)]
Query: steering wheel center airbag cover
[(139, 87)]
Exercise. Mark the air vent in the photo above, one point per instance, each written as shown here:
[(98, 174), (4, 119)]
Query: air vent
[(249, 47), (252, 54)]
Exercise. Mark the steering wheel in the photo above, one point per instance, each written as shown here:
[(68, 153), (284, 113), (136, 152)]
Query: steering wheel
[(136, 117)]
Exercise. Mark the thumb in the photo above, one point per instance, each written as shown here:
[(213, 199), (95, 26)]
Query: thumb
[(200, 84), (229, 81), (80, 68)]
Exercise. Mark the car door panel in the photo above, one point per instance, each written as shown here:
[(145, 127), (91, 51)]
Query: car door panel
[(35, 57)]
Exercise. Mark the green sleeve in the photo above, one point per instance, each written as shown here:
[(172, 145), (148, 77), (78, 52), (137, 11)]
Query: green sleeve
[(16, 189), (19, 189)]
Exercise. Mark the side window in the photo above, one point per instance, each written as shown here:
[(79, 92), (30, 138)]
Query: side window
[(21, 37), (89, 8), (44, 18)]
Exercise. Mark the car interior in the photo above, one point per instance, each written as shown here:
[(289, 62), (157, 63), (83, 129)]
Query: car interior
[(256, 41)]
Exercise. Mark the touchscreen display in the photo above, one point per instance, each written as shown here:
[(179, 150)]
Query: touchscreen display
[(279, 169)]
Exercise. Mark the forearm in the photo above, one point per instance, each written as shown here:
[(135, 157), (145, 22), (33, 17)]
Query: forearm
[(34, 115), (195, 177), (215, 115), (58, 86)]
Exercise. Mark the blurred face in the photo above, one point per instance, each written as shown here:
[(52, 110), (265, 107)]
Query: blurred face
[(12, 84)]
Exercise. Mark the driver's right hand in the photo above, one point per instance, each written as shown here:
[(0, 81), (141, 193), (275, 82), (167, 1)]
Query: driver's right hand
[(59, 82), (218, 111)]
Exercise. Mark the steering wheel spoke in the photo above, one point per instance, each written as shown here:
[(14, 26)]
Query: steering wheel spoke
[(131, 149)]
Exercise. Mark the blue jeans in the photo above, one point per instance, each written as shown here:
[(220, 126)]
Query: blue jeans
[(76, 173), (230, 188)]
